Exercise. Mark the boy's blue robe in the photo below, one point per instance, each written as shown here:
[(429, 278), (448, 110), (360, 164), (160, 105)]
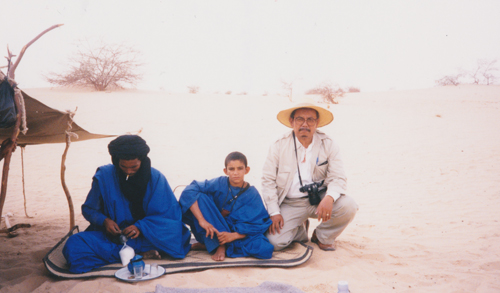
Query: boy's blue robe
[(248, 216), (161, 229)]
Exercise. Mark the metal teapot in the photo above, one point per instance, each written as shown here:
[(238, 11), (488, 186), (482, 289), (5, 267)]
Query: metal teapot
[(136, 261)]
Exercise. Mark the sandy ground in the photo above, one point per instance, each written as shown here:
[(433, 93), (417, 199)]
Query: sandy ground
[(423, 165)]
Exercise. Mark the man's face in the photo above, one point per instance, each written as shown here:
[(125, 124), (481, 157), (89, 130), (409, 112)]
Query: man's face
[(236, 172), (130, 167), (304, 123)]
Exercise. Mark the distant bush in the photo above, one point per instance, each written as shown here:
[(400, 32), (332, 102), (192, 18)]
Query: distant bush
[(449, 80), (193, 89), (485, 72), (103, 66), (228, 92), (328, 92), (243, 93), (353, 89)]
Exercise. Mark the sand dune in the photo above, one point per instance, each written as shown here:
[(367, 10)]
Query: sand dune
[(423, 165)]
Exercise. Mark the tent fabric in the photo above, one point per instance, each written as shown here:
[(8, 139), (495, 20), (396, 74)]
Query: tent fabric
[(47, 125)]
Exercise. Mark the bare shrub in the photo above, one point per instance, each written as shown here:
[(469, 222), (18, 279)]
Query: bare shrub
[(353, 89), (488, 69), (328, 92), (484, 72), (193, 89), (102, 67), (228, 92), (288, 86), (242, 94), (449, 80)]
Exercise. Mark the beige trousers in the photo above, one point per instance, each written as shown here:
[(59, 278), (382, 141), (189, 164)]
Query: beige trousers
[(296, 211)]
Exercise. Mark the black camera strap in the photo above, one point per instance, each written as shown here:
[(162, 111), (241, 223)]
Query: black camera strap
[(297, 158)]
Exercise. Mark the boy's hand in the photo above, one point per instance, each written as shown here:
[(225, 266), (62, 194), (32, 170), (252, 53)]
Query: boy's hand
[(209, 228), (227, 237), (277, 224)]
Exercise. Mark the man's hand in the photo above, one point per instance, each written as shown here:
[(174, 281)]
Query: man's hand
[(324, 210), (112, 227), (131, 232), (209, 228), (277, 224), (227, 237)]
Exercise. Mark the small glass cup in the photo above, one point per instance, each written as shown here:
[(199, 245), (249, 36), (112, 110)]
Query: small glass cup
[(153, 270), (138, 272)]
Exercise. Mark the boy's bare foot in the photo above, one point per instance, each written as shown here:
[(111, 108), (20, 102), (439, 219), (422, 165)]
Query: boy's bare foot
[(152, 254), (220, 253), (198, 246)]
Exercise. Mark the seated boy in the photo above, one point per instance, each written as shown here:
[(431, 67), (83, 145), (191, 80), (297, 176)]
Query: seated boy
[(226, 214)]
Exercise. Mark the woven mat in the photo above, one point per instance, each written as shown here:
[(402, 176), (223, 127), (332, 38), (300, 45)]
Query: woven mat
[(297, 253)]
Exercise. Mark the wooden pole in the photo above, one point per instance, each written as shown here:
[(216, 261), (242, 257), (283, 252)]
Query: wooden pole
[(63, 171), (24, 187)]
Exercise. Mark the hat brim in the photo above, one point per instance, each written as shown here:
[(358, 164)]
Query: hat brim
[(325, 116)]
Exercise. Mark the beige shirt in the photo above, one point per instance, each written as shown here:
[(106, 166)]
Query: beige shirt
[(280, 169)]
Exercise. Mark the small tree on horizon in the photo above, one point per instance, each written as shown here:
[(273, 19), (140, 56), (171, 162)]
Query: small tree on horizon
[(449, 80), (101, 67), (328, 92), (193, 89), (487, 70), (288, 86)]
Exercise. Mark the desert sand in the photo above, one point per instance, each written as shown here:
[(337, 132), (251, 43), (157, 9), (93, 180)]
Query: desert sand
[(423, 166)]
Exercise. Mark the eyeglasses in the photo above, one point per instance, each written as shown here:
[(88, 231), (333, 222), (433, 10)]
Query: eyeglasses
[(310, 121)]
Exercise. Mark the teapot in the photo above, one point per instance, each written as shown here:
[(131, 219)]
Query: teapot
[(136, 261)]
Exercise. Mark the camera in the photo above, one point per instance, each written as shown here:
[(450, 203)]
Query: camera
[(314, 192)]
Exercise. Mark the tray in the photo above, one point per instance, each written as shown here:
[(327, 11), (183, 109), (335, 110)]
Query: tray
[(125, 275)]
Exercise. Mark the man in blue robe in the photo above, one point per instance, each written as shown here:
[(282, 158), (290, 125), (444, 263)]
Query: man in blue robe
[(128, 198), (226, 214)]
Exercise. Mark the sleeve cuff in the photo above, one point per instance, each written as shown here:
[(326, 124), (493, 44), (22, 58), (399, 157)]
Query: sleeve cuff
[(334, 195)]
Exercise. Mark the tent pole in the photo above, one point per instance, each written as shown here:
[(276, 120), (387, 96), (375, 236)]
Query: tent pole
[(65, 188), (63, 171), (24, 188)]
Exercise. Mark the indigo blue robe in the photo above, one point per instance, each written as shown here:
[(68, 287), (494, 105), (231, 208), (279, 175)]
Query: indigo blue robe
[(248, 216), (161, 229)]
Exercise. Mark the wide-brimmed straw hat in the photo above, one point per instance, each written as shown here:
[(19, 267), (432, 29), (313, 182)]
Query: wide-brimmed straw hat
[(325, 116)]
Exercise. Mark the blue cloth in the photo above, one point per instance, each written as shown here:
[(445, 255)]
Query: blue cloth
[(161, 229), (248, 216)]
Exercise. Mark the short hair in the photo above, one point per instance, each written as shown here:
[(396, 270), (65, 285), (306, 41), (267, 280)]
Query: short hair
[(293, 113), (236, 156)]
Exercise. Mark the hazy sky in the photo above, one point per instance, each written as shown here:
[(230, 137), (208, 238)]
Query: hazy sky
[(253, 45)]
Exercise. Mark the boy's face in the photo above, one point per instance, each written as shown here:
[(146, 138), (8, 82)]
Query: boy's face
[(236, 172)]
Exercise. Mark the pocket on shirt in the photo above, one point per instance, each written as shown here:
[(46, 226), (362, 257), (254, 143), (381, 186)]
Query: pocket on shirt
[(320, 172)]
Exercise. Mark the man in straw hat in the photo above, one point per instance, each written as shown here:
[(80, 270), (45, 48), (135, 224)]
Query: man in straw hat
[(131, 199), (299, 165)]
